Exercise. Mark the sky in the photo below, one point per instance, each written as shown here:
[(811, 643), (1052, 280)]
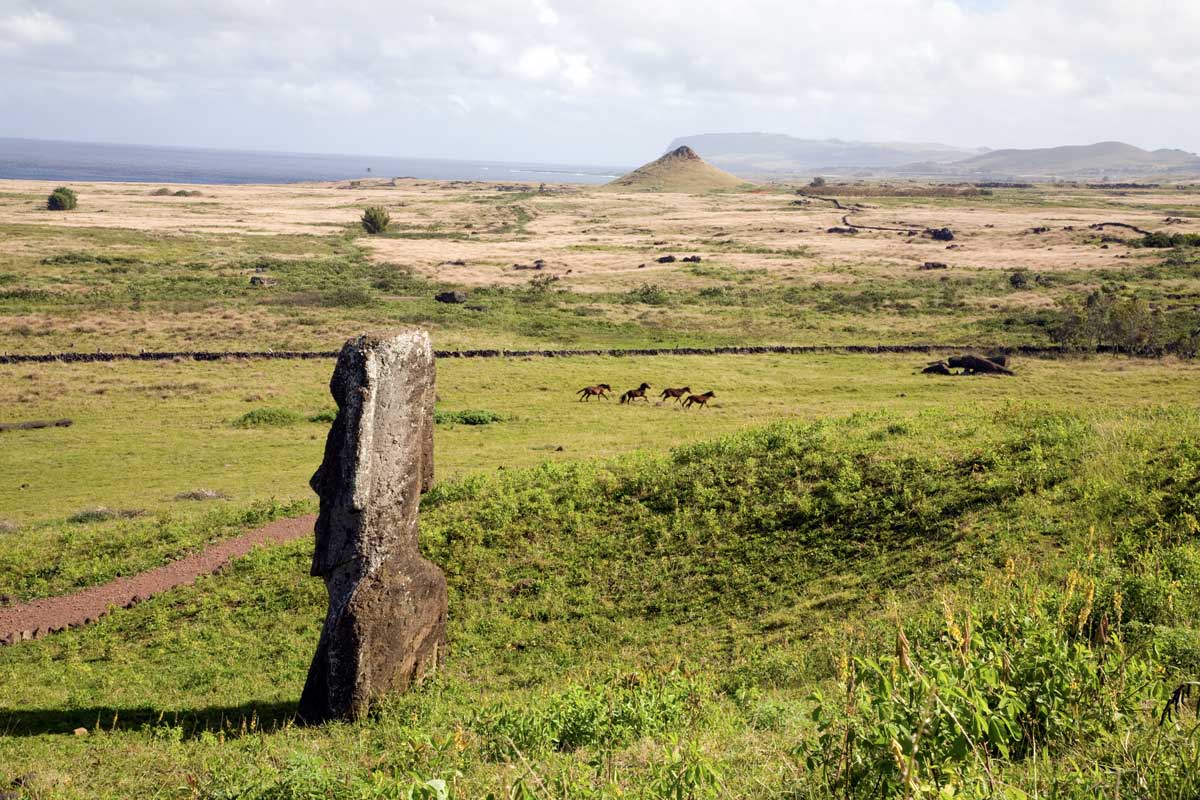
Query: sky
[(608, 83)]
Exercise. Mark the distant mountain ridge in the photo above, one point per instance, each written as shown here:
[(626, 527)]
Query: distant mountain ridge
[(772, 154)]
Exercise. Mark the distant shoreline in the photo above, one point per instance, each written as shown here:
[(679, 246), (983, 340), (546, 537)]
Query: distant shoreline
[(38, 159)]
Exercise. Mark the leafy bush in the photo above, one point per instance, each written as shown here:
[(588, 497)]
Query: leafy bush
[(376, 219), (267, 418), (62, 199), (161, 192), (1006, 686), (465, 417), (649, 293), (326, 415), (347, 297), (1159, 239), (1019, 279), (1107, 319)]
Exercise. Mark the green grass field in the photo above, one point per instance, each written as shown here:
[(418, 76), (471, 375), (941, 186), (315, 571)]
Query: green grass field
[(843, 579), (626, 622)]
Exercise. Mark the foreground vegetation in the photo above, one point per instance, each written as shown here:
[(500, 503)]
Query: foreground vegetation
[(987, 603)]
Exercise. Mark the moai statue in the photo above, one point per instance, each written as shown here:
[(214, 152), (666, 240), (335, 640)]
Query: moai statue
[(386, 625)]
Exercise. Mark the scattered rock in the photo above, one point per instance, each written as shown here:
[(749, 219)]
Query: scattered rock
[(971, 365), (691, 259), (454, 263), (80, 731), (36, 424), (933, 265), (477, 308), (665, 259), (451, 297), (259, 280), (837, 229), (535, 265), (386, 625), (202, 494), (1040, 229), (940, 234)]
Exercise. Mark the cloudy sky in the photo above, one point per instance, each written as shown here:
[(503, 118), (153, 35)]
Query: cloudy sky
[(596, 82)]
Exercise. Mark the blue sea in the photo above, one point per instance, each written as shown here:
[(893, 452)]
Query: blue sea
[(37, 159)]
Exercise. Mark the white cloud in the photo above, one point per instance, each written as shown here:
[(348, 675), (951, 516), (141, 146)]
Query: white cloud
[(538, 63), (34, 28), (607, 82)]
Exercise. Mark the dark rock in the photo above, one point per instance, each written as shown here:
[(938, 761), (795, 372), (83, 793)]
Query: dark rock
[(937, 368), (940, 234), (836, 229), (691, 259), (386, 625), (665, 259), (451, 297), (933, 265), (259, 280), (972, 365)]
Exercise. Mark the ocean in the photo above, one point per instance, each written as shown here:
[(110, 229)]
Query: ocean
[(37, 159)]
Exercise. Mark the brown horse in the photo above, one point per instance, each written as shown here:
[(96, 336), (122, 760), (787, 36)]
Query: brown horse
[(588, 392), (699, 399), (634, 394), (675, 394)]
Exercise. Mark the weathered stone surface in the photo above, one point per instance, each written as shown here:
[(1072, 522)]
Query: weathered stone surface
[(451, 297), (386, 625)]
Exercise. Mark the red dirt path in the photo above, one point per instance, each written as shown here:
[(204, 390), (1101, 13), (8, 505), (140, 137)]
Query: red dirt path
[(52, 614)]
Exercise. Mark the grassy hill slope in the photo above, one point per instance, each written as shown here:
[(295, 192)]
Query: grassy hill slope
[(680, 170), (880, 605)]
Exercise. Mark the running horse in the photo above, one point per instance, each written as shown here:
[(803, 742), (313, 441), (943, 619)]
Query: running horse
[(634, 394), (675, 394), (588, 392), (699, 399)]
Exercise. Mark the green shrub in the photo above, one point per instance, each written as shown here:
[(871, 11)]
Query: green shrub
[(465, 417), (61, 199), (1006, 686), (103, 515), (162, 192), (267, 418), (1159, 239), (651, 294), (347, 297), (376, 219), (327, 415)]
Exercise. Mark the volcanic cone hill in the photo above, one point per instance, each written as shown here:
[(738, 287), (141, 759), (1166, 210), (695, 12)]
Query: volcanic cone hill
[(680, 170)]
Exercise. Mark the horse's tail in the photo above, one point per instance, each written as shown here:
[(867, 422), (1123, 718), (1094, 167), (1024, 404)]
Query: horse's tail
[(625, 397)]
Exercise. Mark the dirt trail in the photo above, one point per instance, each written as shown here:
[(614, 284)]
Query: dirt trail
[(52, 614)]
